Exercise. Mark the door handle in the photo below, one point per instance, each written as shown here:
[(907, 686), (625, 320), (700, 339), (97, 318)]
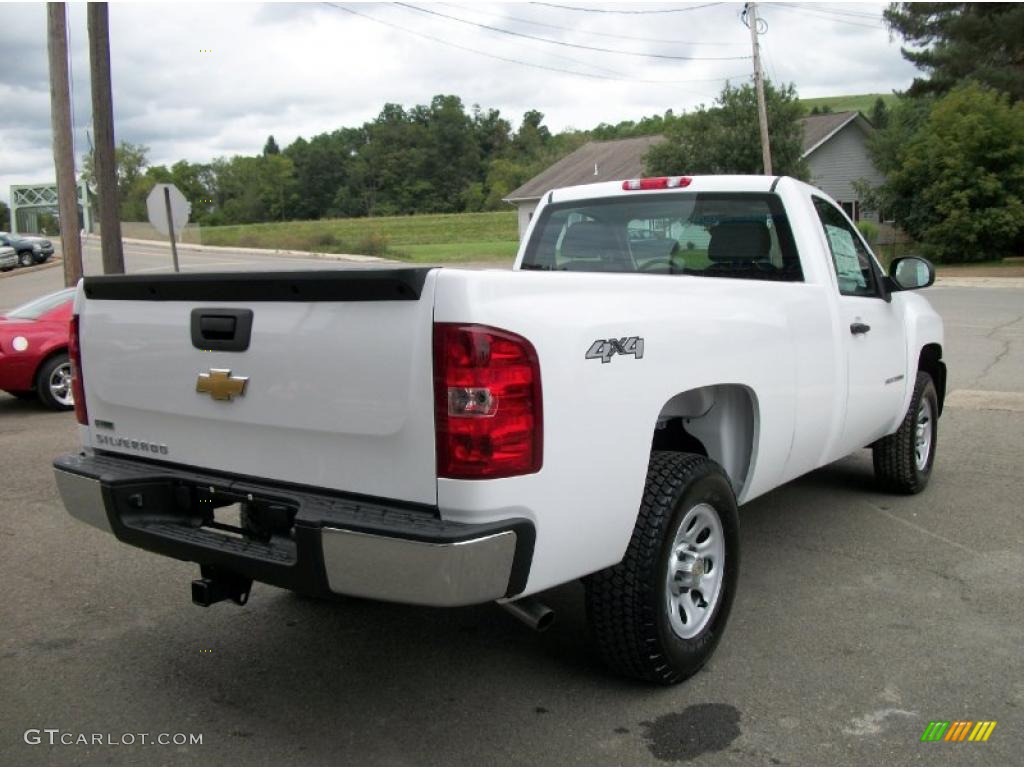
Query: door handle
[(859, 328)]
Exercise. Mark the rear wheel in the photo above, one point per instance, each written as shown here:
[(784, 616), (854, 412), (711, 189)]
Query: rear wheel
[(53, 383), (659, 614), (903, 460)]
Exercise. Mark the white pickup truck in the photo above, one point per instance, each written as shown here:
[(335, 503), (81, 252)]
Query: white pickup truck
[(664, 350)]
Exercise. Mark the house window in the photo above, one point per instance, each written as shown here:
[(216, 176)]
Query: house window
[(852, 209)]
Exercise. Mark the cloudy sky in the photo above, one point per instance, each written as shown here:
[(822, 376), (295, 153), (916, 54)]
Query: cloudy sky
[(197, 81)]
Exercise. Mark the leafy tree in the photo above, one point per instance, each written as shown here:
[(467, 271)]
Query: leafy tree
[(5, 217), (131, 161), (493, 132), (824, 109), (532, 136), (955, 173), (879, 116), (726, 138), (627, 129), (323, 165), (954, 42), (453, 158), (271, 148), (253, 189)]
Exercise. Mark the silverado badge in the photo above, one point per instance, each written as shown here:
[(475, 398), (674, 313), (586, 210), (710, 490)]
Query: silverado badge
[(220, 384)]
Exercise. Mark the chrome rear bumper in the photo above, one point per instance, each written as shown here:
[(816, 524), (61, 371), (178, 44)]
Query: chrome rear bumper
[(356, 547)]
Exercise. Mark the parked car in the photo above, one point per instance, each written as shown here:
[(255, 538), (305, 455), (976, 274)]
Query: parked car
[(30, 250), (34, 350), (450, 437), (8, 258)]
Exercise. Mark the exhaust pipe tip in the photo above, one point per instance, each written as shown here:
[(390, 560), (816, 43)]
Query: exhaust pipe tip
[(532, 613)]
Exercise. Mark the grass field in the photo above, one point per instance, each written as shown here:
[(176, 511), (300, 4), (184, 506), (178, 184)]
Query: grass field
[(440, 237), (862, 102)]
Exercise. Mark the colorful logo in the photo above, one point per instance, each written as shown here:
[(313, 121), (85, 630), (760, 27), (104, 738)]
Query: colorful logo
[(958, 730)]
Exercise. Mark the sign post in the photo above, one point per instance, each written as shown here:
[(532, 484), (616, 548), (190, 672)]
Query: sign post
[(168, 213), (170, 228)]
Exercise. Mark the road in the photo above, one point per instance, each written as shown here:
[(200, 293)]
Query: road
[(860, 617)]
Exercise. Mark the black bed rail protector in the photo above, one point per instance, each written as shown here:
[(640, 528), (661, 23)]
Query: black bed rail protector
[(402, 284)]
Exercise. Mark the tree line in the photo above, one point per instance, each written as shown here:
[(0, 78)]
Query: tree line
[(952, 148), (432, 158)]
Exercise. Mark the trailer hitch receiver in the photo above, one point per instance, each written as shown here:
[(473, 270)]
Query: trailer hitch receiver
[(217, 585)]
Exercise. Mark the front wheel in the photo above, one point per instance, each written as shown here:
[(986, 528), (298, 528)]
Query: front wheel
[(659, 614), (26, 259), (903, 460), (53, 383)]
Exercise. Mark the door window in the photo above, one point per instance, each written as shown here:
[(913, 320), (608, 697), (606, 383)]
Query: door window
[(851, 259)]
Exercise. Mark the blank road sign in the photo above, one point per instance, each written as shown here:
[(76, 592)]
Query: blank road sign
[(156, 206)]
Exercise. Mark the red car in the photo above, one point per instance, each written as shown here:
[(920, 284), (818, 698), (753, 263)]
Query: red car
[(34, 350)]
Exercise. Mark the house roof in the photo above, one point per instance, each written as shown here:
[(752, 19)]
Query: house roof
[(820, 128), (594, 161), (624, 158)]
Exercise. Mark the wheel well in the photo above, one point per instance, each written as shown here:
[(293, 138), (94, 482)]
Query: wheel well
[(718, 421), (49, 356), (931, 363)]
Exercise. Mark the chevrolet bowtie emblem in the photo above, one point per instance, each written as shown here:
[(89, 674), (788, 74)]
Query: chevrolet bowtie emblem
[(220, 384)]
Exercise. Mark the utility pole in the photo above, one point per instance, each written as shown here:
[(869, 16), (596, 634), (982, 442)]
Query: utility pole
[(63, 146), (105, 162), (762, 114)]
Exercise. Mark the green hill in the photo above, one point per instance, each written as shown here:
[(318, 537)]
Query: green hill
[(863, 102)]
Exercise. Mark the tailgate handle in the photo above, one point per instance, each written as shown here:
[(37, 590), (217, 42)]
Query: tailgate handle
[(217, 327), (223, 330)]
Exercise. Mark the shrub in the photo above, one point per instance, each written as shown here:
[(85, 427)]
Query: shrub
[(869, 230), (372, 244)]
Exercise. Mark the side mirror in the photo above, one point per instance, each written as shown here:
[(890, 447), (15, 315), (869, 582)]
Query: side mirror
[(910, 273)]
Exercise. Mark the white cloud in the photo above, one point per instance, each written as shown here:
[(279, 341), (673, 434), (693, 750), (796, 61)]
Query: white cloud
[(301, 69)]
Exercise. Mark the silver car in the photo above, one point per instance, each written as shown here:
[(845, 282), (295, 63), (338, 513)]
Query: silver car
[(8, 258)]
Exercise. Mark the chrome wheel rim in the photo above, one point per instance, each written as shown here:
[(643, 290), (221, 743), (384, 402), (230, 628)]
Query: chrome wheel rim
[(696, 570), (60, 385), (923, 435)]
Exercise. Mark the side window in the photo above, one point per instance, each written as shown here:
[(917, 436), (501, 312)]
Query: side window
[(850, 258)]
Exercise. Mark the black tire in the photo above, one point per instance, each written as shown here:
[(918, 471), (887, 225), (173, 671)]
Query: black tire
[(628, 604), (896, 458), (46, 370), (26, 259), (6, 269)]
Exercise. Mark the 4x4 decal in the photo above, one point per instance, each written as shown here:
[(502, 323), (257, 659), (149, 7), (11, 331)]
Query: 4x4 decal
[(605, 349)]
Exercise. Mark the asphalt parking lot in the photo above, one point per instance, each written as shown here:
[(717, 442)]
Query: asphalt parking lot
[(860, 617)]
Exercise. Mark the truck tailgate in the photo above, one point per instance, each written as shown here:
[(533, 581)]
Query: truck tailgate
[(338, 368)]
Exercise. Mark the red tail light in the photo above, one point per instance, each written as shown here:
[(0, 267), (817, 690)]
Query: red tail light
[(77, 383), (487, 403), (657, 182)]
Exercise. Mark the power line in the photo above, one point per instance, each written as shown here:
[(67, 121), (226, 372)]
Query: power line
[(601, 34), (812, 13), (569, 45), (518, 61), (630, 12), (832, 9)]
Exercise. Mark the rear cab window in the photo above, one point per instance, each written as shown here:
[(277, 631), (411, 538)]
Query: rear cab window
[(711, 234)]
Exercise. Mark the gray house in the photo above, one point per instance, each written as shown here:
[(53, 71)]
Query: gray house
[(834, 146)]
